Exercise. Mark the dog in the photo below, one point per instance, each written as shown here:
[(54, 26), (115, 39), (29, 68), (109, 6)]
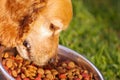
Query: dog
[(34, 26)]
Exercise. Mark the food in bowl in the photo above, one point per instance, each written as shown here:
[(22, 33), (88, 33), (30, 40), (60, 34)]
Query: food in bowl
[(61, 69)]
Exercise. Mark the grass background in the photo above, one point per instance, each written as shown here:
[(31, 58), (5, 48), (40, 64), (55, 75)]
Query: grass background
[(95, 33)]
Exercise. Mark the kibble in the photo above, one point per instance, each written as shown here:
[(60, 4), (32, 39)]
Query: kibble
[(9, 63), (71, 64), (6, 55), (22, 69), (41, 71), (14, 73)]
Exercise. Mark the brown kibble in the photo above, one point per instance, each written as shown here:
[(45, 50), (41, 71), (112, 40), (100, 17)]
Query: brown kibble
[(69, 73), (85, 71), (64, 64), (9, 63), (26, 70), (32, 69), (54, 72), (6, 55), (27, 73), (61, 69), (15, 64), (18, 71), (31, 78), (14, 73), (23, 69), (19, 58), (32, 74), (19, 65), (40, 71), (49, 76), (80, 76), (12, 68), (71, 64), (47, 72), (77, 72), (23, 76), (26, 62)]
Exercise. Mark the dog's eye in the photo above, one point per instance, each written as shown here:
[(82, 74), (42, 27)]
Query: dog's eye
[(53, 27), (26, 44)]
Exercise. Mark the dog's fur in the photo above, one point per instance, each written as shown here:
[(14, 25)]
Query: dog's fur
[(33, 26)]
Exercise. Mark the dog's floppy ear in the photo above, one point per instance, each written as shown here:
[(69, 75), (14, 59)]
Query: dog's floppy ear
[(8, 30), (13, 22), (8, 35), (11, 35)]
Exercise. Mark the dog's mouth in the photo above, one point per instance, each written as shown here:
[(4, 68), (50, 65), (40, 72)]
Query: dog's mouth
[(18, 50), (23, 52), (24, 49), (39, 59)]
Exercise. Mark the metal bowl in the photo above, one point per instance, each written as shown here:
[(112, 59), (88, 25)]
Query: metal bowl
[(63, 51)]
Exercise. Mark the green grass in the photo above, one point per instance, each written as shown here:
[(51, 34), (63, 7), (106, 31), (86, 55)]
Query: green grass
[(95, 33)]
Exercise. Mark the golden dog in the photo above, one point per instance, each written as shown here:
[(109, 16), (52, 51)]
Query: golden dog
[(33, 26)]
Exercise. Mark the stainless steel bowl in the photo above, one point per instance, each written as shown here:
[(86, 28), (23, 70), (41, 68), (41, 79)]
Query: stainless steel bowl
[(63, 51)]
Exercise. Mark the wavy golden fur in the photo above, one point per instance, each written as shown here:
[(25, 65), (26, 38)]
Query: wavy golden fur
[(33, 26)]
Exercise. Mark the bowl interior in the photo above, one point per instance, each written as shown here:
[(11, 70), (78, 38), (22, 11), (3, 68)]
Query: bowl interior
[(67, 53)]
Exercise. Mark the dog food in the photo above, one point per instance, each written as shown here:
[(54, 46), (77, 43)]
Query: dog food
[(22, 69)]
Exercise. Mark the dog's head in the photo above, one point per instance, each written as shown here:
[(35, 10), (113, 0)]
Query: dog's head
[(33, 26)]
